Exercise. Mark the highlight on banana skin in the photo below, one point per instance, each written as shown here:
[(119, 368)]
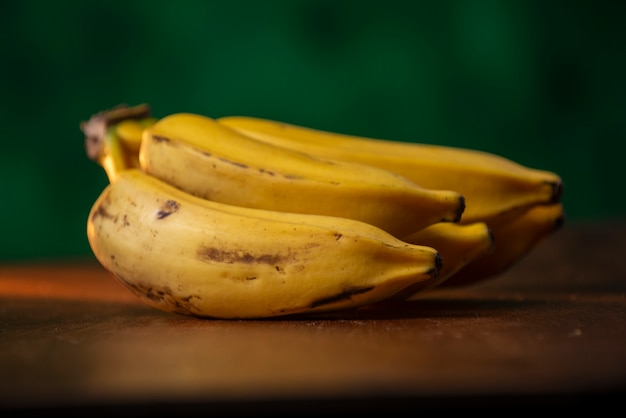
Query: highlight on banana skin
[(241, 217)]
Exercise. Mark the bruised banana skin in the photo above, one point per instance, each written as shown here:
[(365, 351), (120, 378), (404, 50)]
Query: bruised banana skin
[(512, 242), (190, 256), (495, 188), (210, 160)]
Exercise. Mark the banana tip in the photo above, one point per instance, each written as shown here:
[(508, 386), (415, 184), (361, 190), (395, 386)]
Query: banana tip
[(557, 192), (461, 209), (559, 222), (434, 273), (492, 239)]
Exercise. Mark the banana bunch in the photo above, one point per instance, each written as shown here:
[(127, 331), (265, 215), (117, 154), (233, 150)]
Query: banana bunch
[(239, 217)]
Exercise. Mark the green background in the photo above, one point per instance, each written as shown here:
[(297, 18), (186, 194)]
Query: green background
[(540, 82)]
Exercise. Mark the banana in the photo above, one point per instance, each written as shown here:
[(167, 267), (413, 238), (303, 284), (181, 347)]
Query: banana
[(458, 246), (495, 188), (129, 132), (191, 256), (212, 161), (242, 218), (512, 242)]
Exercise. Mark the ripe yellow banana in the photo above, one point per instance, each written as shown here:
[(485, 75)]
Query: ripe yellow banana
[(512, 242), (496, 189), (212, 161), (129, 132), (191, 256), (458, 246)]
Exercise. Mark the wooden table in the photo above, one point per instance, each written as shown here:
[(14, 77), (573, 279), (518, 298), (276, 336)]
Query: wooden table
[(549, 333)]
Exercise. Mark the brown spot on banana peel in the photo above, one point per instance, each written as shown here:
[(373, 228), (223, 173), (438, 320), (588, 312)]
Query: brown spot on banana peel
[(345, 294), (160, 138), (235, 163), (163, 297), (101, 210), (205, 253), (163, 139), (169, 207)]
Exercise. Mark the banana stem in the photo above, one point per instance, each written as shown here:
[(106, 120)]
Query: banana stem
[(102, 144), (112, 158)]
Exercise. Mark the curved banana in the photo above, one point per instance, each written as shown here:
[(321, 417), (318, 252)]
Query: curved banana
[(496, 189), (212, 161), (512, 241), (458, 246), (191, 256)]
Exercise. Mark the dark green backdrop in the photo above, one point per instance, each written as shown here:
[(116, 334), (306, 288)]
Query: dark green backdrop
[(541, 82)]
